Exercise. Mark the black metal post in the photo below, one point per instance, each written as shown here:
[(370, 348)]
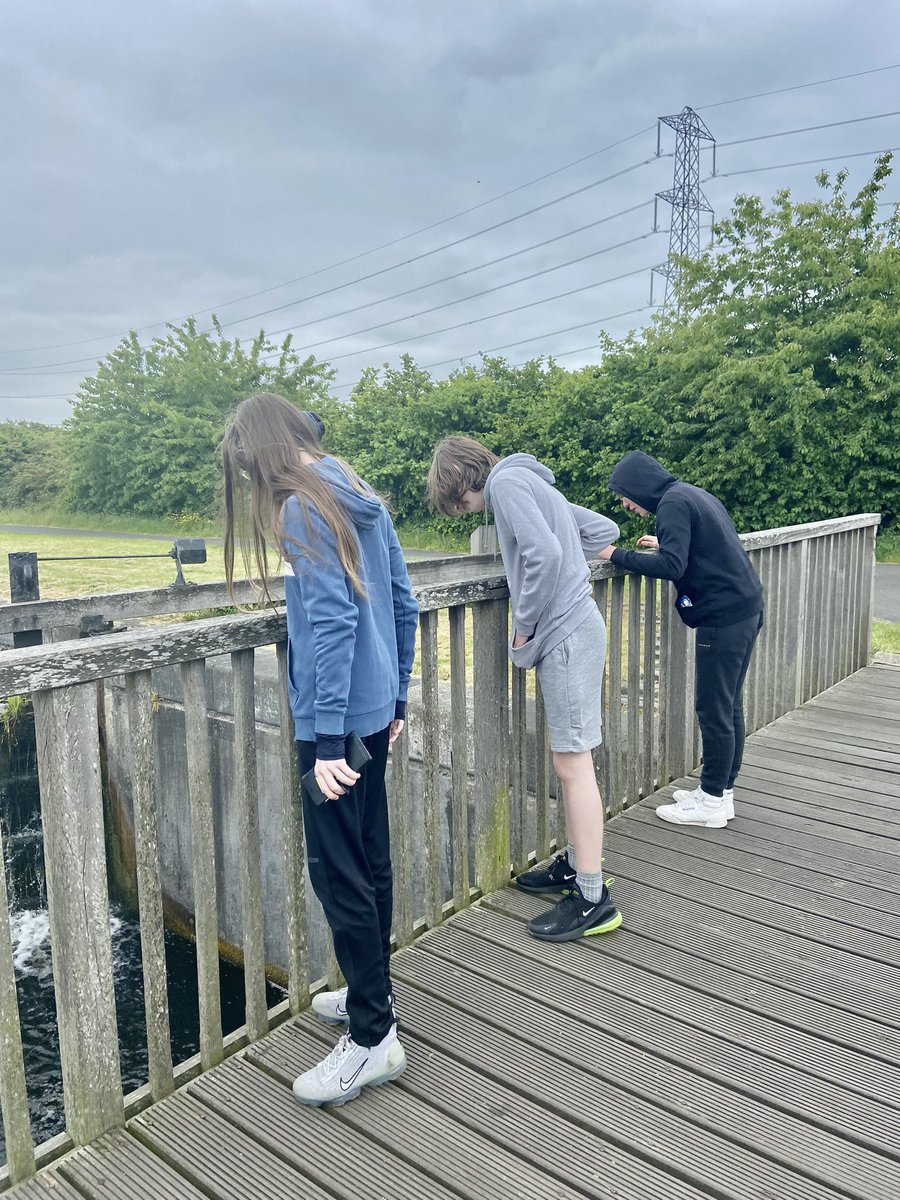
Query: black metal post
[(24, 585)]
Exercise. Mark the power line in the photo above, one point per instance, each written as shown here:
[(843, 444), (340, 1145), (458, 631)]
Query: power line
[(800, 86), (522, 341), (443, 220), (355, 258), (475, 295), (446, 246), (490, 316), (763, 137), (804, 162)]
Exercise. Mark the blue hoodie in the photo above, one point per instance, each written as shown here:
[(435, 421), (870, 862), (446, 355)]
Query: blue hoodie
[(350, 656)]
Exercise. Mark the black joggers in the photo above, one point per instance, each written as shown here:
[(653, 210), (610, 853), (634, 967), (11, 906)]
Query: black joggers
[(348, 849), (723, 656)]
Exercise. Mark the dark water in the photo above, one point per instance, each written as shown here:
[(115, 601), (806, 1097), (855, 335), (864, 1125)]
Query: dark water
[(20, 817)]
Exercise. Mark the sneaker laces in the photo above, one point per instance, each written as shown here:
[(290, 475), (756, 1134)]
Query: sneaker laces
[(333, 1061)]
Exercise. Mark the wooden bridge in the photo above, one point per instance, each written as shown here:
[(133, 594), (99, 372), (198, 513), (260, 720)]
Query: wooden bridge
[(738, 1037)]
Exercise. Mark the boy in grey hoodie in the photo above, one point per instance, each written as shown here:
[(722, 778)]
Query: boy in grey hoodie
[(545, 543)]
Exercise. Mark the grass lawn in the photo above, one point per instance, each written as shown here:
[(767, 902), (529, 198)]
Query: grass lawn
[(885, 637), (93, 574)]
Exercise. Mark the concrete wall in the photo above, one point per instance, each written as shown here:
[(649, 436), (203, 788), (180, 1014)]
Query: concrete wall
[(174, 809)]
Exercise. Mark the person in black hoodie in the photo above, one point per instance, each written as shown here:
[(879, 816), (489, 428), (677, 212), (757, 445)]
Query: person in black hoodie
[(718, 594)]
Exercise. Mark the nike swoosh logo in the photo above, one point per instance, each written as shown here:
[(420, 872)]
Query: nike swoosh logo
[(346, 1084), (587, 912), (566, 878)]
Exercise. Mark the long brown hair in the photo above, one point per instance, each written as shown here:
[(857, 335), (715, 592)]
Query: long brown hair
[(262, 457)]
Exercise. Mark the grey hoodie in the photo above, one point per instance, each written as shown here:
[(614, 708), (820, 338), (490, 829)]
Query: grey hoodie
[(546, 543)]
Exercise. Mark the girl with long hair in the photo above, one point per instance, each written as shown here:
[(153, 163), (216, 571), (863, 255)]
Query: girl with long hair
[(352, 621)]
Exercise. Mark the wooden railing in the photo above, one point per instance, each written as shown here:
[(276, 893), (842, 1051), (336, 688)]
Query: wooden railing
[(488, 776)]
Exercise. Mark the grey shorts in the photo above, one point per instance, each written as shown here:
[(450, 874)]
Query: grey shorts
[(571, 679)]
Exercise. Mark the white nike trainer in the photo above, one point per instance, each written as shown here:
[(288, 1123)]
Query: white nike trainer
[(349, 1068), (331, 1007)]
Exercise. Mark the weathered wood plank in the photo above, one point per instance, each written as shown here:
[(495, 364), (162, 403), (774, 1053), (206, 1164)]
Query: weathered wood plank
[(459, 756), (615, 735), (518, 774), (658, 1013), (119, 1167), (491, 712), (13, 1096), (263, 1109), (400, 800), (149, 888), (293, 841), (252, 923), (431, 766), (216, 1157), (75, 860), (650, 725), (70, 663), (518, 1028), (758, 859), (482, 1159), (193, 679), (633, 745), (707, 979), (541, 776)]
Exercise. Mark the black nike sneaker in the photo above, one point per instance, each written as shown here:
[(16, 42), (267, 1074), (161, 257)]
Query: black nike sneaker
[(557, 877), (575, 917)]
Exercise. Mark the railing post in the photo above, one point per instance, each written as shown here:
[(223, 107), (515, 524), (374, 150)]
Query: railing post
[(13, 1095), (491, 711), (867, 578), (72, 809)]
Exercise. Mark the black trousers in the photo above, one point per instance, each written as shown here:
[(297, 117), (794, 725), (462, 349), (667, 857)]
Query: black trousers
[(723, 656), (348, 849)]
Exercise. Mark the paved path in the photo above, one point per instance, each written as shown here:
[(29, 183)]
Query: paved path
[(887, 591), (51, 531), (738, 1038)]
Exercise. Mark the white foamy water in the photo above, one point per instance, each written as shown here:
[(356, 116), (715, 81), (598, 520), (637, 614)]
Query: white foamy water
[(30, 929)]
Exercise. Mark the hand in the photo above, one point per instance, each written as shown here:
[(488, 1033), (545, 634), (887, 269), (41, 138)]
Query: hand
[(334, 777), (648, 542), (396, 730), (607, 553), (520, 640)]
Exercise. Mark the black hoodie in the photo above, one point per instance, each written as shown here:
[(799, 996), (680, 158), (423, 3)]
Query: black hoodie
[(699, 548)]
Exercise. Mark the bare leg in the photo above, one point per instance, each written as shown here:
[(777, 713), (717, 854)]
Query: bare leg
[(584, 808)]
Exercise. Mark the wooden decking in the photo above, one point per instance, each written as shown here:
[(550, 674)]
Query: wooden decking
[(739, 1037)]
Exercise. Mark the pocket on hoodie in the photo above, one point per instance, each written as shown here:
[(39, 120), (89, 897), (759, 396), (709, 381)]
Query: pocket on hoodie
[(525, 656)]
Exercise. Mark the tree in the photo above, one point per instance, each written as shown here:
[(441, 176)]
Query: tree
[(145, 428), (34, 463)]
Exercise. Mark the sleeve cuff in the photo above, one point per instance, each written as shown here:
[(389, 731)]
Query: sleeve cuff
[(330, 746), (330, 721), (400, 710), (526, 631)]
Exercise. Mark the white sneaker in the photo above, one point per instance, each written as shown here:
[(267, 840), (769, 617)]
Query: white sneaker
[(331, 1007), (695, 808), (349, 1068), (681, 795)]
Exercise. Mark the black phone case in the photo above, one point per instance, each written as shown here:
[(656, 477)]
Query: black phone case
[(356, 757)]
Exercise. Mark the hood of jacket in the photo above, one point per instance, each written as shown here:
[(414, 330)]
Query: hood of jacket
[(526, 461), (642, 479), (363, 510)]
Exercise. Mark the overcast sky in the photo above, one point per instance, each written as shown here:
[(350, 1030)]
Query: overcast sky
[(171, 158)]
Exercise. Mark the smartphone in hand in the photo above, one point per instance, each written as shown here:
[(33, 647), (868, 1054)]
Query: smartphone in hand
[(356, 756)]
